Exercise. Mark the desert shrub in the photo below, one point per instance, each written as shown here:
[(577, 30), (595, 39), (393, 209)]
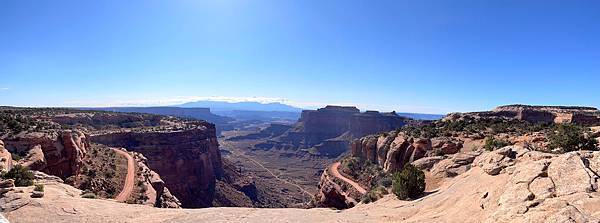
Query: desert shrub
[(569, 137), (22, 175), (492, 143), (89, 195), (408, 183), (39, 187), (385, 181), (369, 197)]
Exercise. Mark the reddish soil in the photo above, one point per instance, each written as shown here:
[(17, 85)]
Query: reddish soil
[(336, 173), (129, 179)]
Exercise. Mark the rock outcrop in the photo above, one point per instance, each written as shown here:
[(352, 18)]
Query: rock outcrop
[(329, 130), (157, 193), (56, 153), (335, 193), (5, 158), (393, 150), (538, 114), (189, 161)]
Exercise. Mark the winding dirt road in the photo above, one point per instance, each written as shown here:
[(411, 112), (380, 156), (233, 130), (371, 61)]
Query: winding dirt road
[(129, 178), (336, 173)]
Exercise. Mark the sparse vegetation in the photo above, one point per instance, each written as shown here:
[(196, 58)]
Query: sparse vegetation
[(408, 183), (39, 187), (491, 143), (486, 126), (102, 173), (22, 175), (569, 137)]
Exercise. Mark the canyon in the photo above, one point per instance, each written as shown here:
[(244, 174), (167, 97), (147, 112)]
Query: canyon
[(184, 164)]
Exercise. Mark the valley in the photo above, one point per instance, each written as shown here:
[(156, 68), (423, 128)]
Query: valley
[(334, 157)]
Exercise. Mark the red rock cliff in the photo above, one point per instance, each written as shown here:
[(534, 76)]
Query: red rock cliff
[(188, 161)]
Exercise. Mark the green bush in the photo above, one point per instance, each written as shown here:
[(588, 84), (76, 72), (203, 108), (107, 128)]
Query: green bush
[(492, 143), (22, 175), (408, 183), (39, 187), (569, 137)]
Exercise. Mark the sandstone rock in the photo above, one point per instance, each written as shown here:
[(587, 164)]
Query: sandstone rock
[(55, 153), (338, 124), (331, 194), (8, 183), (447, 145), (455, 165), (45, 178), (494, 162), (156, 191), (570, 176), (35, 159), (427, 162), (13, 201), (542, 187), (37, 194), (5, 158), (536, 114), (188, 161)]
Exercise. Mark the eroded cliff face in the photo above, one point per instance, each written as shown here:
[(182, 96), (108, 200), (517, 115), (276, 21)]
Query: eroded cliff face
[(58, 153), (329, 130), (188, 161), (157, 193), (393, 150)]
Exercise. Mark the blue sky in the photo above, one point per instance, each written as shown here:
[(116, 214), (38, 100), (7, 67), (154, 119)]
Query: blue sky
[(414, 56)]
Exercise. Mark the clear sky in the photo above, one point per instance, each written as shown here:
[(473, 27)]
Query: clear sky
[(414, 56)]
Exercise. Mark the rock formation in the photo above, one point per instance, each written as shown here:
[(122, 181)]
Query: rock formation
[(156, 191), (335, 193), (538, 114), (5, 158), (59, 153), (188, 161), (393, 150), (329, 130), (274, 130)]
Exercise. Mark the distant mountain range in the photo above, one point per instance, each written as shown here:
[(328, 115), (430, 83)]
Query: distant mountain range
[(270, 111), (240, 106)]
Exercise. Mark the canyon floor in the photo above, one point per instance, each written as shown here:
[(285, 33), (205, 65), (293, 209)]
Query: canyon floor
[(286, 174)]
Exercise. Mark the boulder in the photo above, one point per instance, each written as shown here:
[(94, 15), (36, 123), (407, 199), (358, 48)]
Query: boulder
[(37, 194), (455, 165), (447, 145), (494, 162), (8, 183)]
